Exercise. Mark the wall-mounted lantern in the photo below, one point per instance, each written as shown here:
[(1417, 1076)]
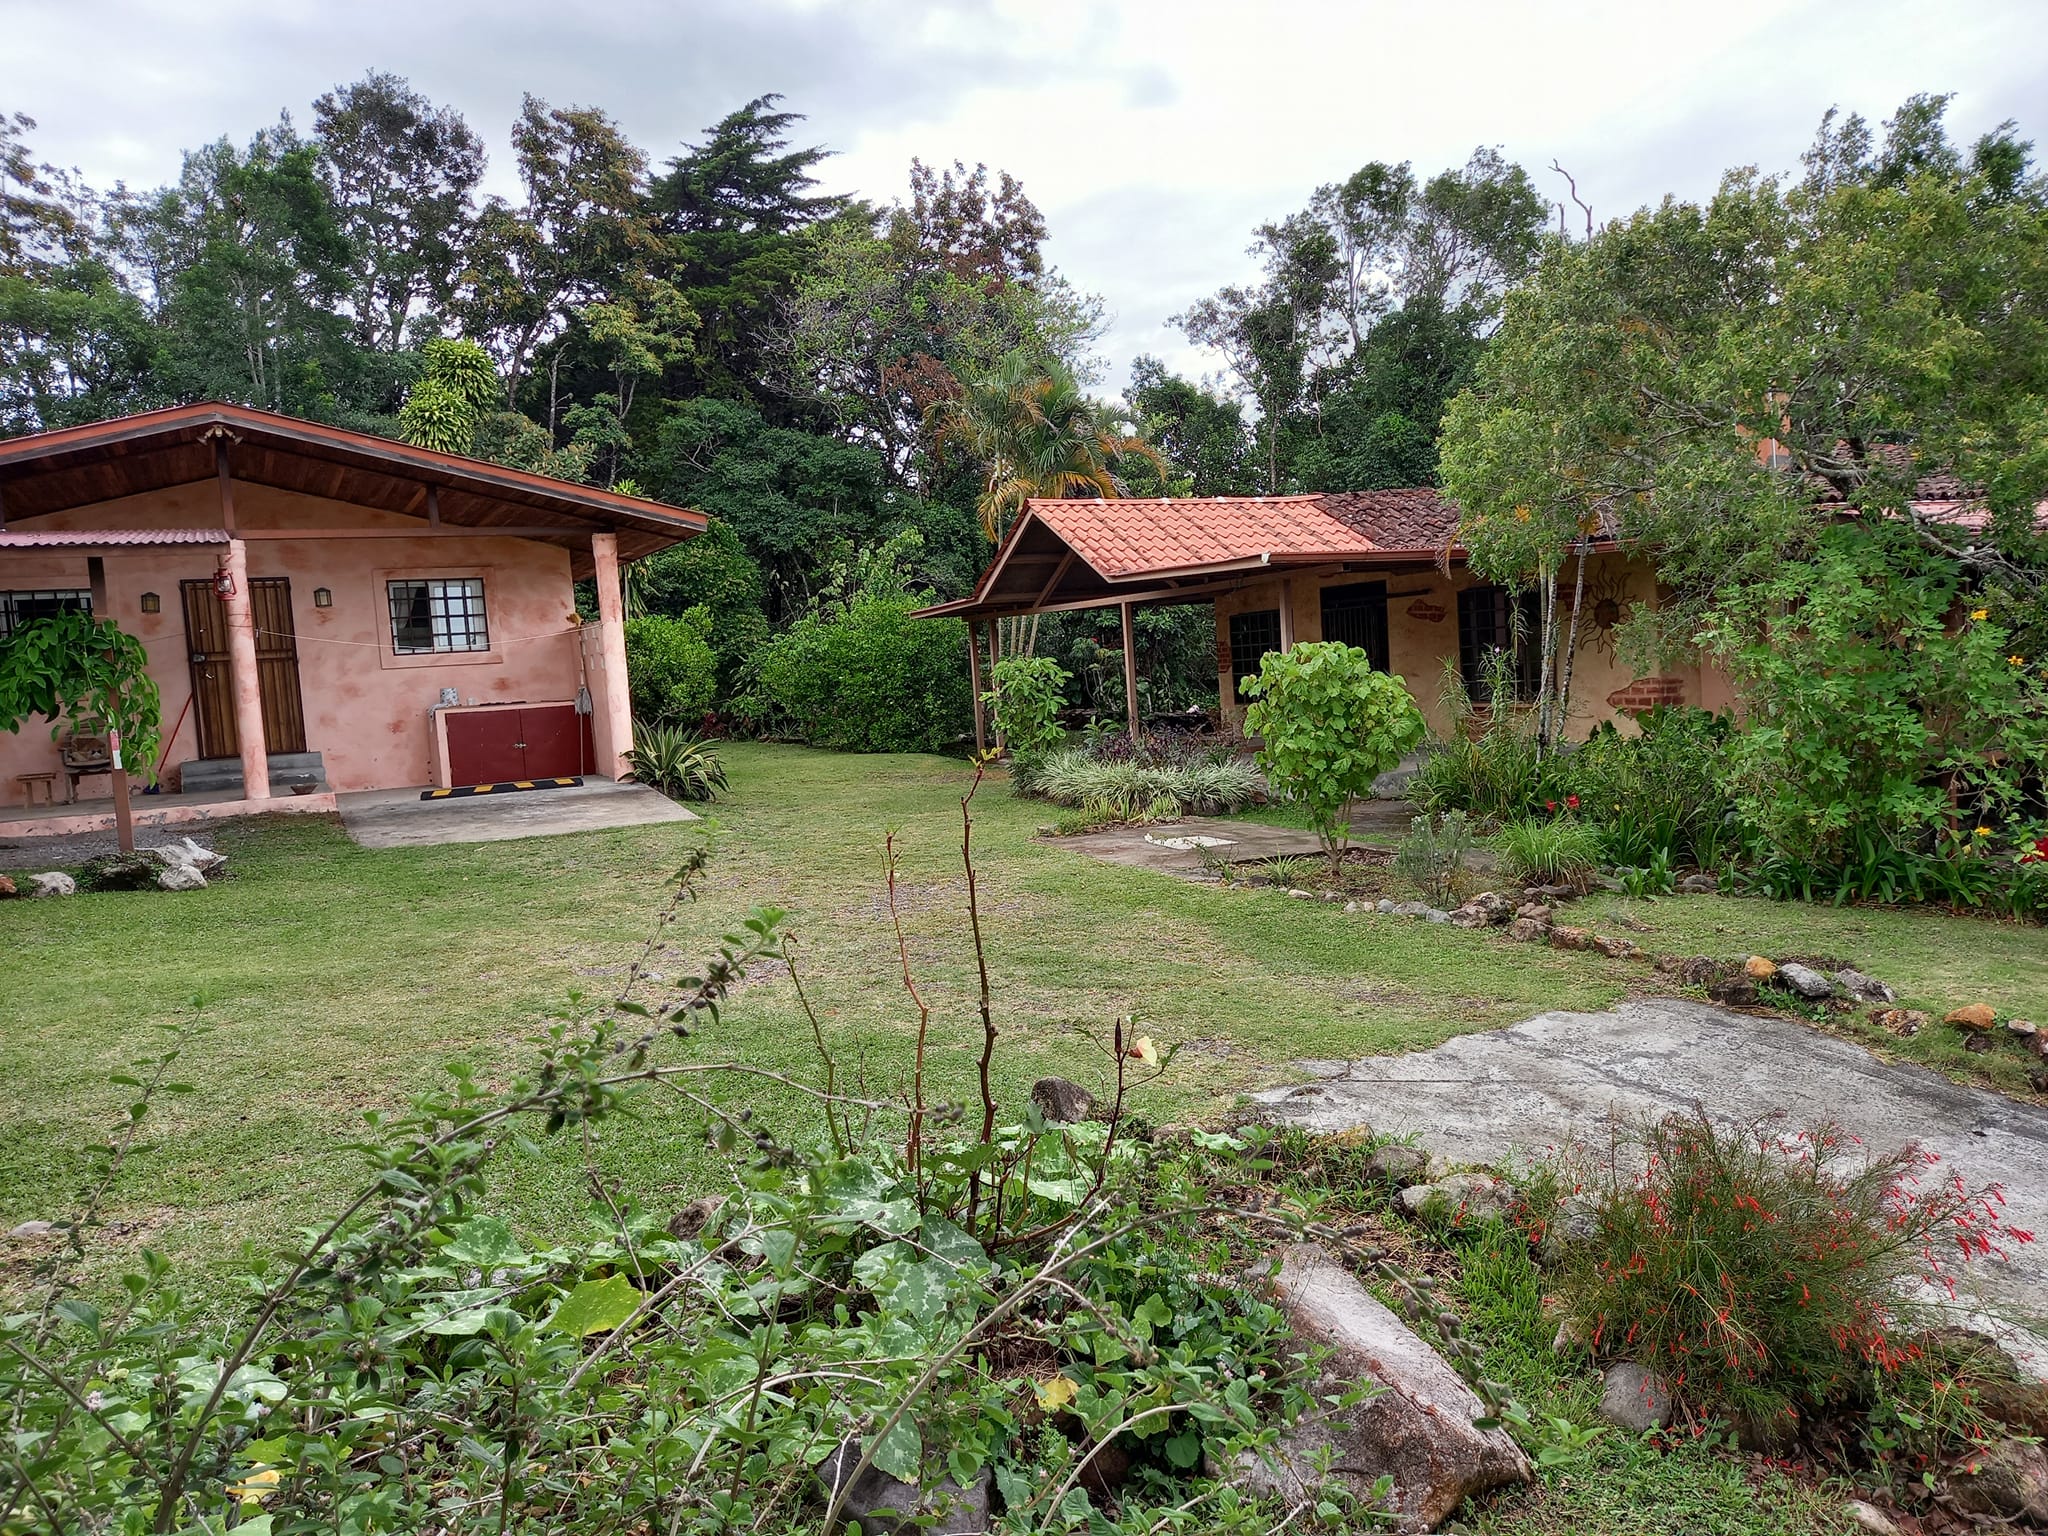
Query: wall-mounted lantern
[(323, 598), (224, 582), (151, 603)]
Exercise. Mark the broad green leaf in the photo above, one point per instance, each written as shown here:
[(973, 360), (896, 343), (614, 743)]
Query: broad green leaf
[(595, 1306), (486, 1242), (900, 1452)]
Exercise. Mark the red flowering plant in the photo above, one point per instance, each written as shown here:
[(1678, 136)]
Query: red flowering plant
[(1763, 1274)]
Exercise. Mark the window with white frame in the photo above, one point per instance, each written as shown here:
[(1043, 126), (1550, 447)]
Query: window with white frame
[(438, 614), (19, 608)]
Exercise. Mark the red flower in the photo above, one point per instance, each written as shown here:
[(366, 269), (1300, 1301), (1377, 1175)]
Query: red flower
[(1572, 801), (1550, 805), (2038, 854)]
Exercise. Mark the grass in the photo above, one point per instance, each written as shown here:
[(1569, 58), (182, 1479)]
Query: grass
[(340, 979)]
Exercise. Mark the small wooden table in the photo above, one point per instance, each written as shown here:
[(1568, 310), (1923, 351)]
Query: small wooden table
[(31, 782)]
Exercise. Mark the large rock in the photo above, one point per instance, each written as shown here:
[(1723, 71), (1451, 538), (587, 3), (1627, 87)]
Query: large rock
[(1805, 980), (1737, 991), (181, 877), (7, 890), (1526, 930), (2008, 1478), (1757, 968), (1564, 936), (1063, 1102), (1865, 989), (886, 1507), (1698, 885), (187, 854), (135, 871), (1905, 1022), (1978, 1016), (1575, 1221), (53, 883), (1400, 1166), (1418, 1430), (1463, 1197), (1486, 910), (1635, 1399)]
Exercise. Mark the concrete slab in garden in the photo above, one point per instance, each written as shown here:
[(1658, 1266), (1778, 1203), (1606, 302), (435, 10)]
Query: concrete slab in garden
[(399, 818), (1515, 1092), (1175, 846)]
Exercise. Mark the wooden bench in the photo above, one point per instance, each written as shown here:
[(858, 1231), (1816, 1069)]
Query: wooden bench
[(31, 782)]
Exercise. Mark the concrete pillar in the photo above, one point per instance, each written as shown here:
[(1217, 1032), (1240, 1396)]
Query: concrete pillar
[(240, 608), (1130, 673), (612, 724), (974, 682)]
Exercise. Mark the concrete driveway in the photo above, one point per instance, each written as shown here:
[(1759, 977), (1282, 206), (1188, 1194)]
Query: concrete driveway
[(399, 818), (1515, 1092)]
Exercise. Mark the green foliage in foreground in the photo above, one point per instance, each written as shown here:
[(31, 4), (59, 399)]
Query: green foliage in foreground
[(1025, 696), (1330, 723), (414, 1361), (71, 667), (677, 761), (670, 667)]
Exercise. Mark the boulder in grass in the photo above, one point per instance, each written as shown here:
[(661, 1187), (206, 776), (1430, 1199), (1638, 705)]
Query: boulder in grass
[(1737, 991), (1757, 968), (1461, 1197), (181, 877), (1865, 989), (1526, 930), (135, 871), (1486, 910), (1563, 936), (7, 890), (1616, 949), (2007, 1479), (1063, 1102), (1903, 1022), (1400, 1166), (1976, 1016), (1635, 1399), (1805, 980), (1418, 1431), (52, 883)]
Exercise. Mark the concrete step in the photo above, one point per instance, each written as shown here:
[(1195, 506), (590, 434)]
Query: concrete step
[(204, 775)]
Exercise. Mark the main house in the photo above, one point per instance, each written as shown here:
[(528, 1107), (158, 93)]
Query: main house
[(325, 610), (1381, 570)]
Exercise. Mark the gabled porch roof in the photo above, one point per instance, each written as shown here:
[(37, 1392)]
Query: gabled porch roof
[(1064, 554)]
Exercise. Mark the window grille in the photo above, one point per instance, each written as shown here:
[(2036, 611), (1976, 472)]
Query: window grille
[(19, 608), (438, 614), (1251, 636), (1493, 619)]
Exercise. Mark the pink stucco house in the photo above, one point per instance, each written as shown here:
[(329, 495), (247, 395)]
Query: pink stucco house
[(324, 608)]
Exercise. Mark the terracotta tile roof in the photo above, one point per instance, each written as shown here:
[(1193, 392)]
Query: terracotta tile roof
[(1139, 536), (1419, 520), (108, 537)]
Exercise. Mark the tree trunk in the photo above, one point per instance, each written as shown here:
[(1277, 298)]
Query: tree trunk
[(1547, 622), (1571, 639)]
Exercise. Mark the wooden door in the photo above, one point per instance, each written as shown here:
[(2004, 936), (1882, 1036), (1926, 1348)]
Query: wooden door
[(277, 667), (555, 738)]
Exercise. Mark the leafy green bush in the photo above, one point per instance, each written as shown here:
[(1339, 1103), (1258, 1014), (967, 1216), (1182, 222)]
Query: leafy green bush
[(1760, 1273), (1551, 851), (1664, 790), (858, 673), (1129, 790), (1026, 695), (713, 571), (71, 666), (1330, 723), (683, 764), (670, 667), (1868, 714), (1490, 766)]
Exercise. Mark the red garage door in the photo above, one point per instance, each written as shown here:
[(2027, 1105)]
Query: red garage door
[(527, 741)]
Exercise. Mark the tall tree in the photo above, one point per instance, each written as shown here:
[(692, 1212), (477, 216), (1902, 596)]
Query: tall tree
[(582, 226), (400, 173), (1203, 437), (732, 212)]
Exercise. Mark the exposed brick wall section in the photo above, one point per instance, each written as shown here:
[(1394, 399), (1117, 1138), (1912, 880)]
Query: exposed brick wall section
[(1647, 693)]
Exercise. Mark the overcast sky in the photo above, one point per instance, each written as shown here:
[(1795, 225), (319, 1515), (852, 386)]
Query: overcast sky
[(1153, 133)]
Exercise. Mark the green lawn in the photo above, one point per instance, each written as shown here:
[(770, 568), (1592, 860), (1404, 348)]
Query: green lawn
[(339, 979)]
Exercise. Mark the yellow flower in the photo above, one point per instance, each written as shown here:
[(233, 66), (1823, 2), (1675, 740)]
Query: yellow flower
[(1521, 514), (2018, 661), (1983, 831), (1142, 1049), (1981, 614), (1055, 1394), (256, 1487)]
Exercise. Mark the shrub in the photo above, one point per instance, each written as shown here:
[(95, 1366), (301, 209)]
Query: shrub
[(1758, 1272), (670, 667), (679, 762), (1489, 766), (1432, 855), (1556, 851), (857, 672), (1129, 791), (1330, 723), (715, 572), (1025, 695), (1664, 790)]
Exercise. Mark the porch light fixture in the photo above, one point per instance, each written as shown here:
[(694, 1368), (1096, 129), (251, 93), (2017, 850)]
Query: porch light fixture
[(322, 598), (224, 582), (151, 603)]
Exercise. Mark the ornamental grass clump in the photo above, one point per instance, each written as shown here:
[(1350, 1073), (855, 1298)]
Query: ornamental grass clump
[(1765, 1275)]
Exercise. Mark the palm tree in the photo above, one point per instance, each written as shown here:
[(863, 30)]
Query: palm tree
[(1039, 434)]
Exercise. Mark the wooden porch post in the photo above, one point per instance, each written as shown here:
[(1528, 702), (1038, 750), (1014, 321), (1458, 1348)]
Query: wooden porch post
[(1130, 672), (239, 606), (1286, 616), (974, 680), (614, 729)]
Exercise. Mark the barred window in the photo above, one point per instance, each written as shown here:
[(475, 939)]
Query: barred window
[(1492, 620), (19, 608), (1251, 636), (439, 614)]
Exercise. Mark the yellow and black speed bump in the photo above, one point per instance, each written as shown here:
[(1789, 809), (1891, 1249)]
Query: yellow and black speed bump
[(509, 787)]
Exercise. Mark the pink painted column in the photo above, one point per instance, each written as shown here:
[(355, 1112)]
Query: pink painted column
[(241, 616), (612, 725)]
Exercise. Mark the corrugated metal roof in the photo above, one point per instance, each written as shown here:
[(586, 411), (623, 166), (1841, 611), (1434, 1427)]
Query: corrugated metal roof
[(106, 537)]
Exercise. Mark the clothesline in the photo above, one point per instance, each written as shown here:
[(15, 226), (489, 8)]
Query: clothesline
[(378, 645)]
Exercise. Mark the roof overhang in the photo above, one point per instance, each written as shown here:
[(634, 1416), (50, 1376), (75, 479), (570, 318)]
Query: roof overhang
[(132, 455)]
